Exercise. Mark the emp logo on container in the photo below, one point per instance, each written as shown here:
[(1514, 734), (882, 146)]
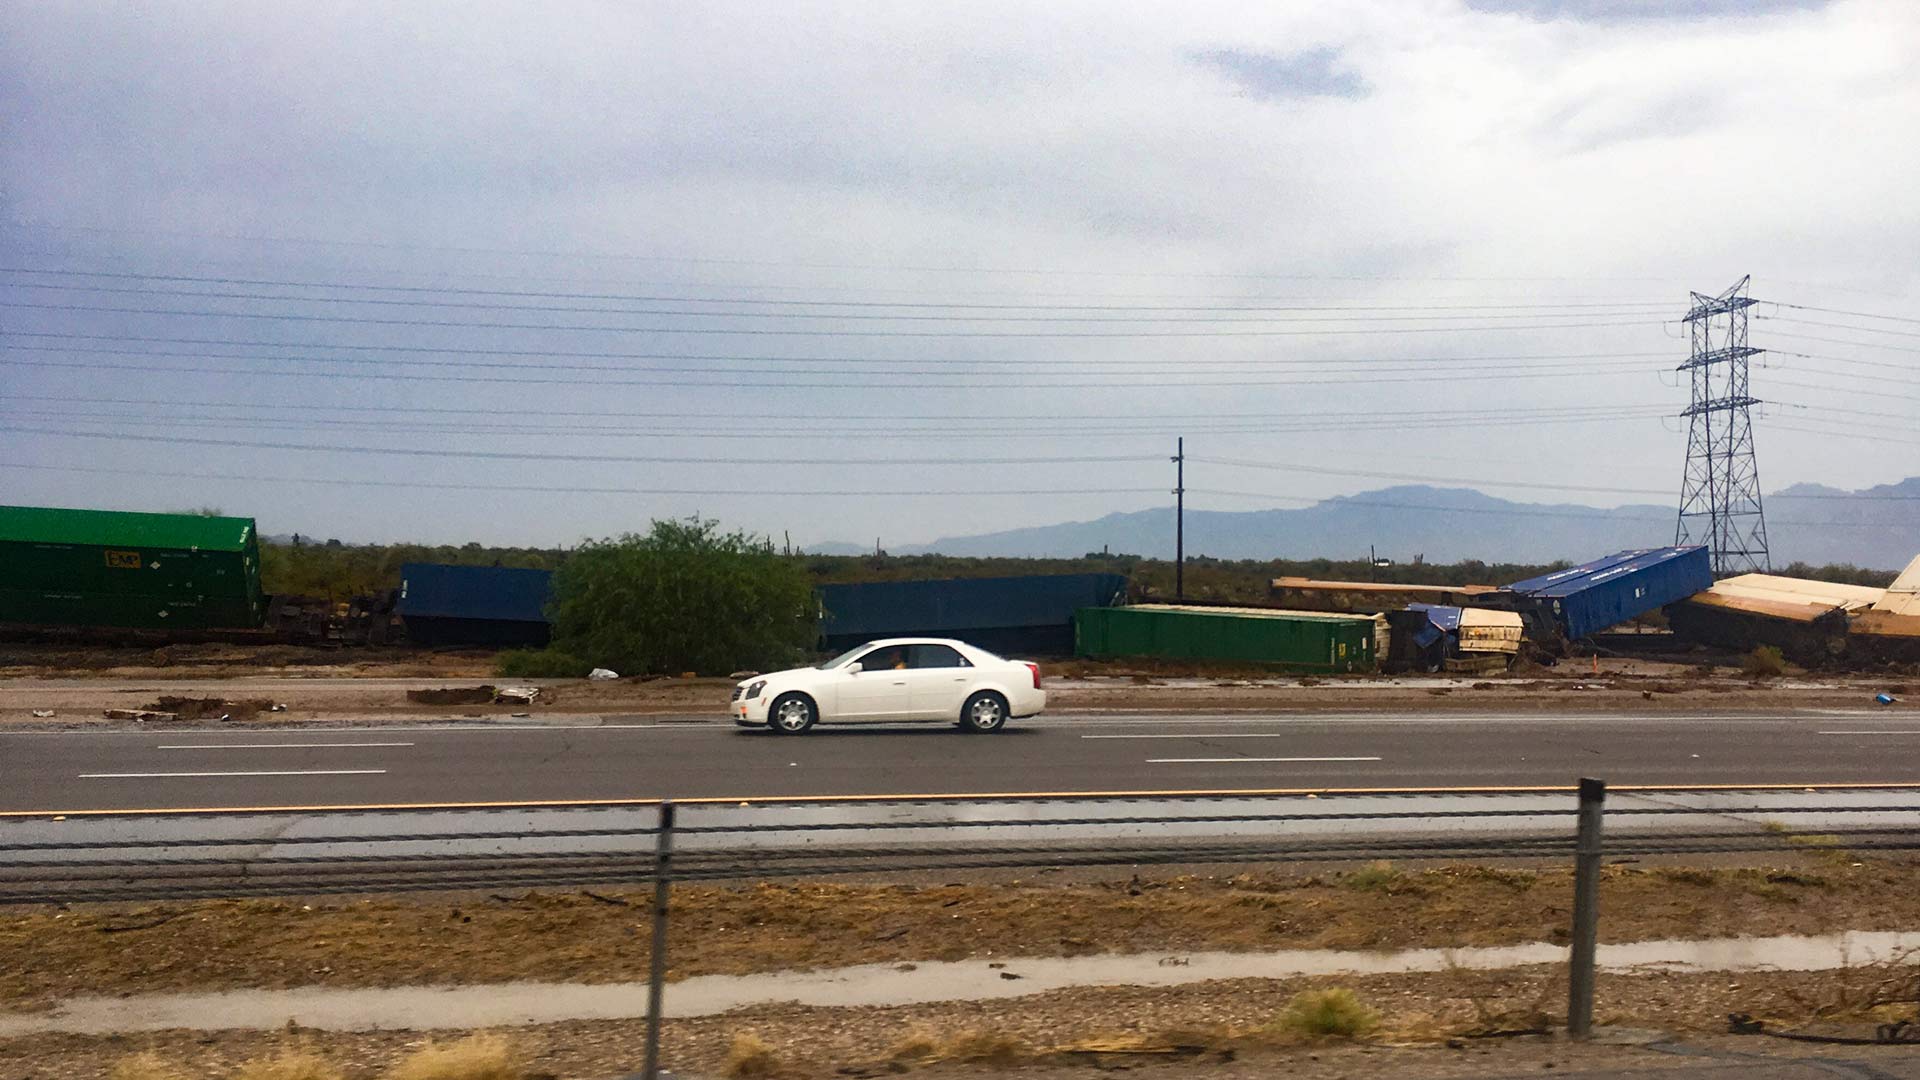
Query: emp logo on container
[(123, 560)]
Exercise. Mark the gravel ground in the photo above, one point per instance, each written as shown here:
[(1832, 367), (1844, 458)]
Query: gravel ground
[(1432, 1026)]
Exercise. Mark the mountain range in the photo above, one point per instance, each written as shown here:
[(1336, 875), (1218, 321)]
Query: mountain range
[(1877, 528)]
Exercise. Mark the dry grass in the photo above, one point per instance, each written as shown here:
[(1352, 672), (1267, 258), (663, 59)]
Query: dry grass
[(147, 1066), (1374, 877), (1336, 1013), (477, 1057), (750, 1058), (979, 1047), (919, 1047), (289, 1065), (552, 937)]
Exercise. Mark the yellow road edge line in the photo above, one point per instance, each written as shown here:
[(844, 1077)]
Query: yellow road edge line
[(998, 796)]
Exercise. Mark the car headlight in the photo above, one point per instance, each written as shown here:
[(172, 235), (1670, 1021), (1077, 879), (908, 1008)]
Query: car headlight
[(754, 690)]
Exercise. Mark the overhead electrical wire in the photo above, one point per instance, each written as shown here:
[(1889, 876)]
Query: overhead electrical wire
[(596, 354), (853, 365), (799, 332), (775, 491), (1597, 514), (1843, 341), (624, 459), (507, 455), (577, 489), (1839, 326), (1050, 420), (1838, 311), (467, 273), (1324, 470), (788, 264), (968, 431), (1526, 310), (917, 384)]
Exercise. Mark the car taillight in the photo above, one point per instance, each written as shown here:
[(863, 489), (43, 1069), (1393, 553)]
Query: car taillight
[(1035, 668)]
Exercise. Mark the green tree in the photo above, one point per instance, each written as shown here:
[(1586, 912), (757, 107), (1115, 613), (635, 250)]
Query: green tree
[(683, 597)]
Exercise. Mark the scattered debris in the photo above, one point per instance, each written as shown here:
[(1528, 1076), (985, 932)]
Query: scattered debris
[(278, 708), (453, 695), (743, 675), (519, 715), (147, 925), (602, 674), (139, 716), (186, 708), (43, 714), (1885, 699), (516, 695)]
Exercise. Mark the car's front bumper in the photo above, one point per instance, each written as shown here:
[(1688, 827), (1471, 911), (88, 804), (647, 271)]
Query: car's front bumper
[(749, 712)]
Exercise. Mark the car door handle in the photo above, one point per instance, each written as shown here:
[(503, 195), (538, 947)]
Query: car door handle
[(901, 683)]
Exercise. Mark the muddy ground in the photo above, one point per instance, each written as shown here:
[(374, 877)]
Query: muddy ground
[(1443, 1026), (603, 937)]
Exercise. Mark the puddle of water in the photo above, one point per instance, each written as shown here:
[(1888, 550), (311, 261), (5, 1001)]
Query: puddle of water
[(507, 1004)]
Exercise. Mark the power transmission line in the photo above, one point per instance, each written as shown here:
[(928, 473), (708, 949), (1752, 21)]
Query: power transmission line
[(563, 489), (1837, 311), (1049, 420), (595, 354), (788, 332), (856, 365), (863, 461), (521, 455), (917, 384), (1561, 307)]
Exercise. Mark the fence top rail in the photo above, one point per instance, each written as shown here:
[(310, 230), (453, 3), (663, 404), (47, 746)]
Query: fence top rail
[(928, 798)]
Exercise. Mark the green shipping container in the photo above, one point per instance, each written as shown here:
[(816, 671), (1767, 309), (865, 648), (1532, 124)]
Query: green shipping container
[(1293, 640), (107, 568)]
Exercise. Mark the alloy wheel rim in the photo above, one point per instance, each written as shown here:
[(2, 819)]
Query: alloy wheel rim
[(793, 716), (986, 713)]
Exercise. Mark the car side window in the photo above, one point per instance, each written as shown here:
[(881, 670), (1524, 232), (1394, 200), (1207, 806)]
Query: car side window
[(891, 658), (938, 656)]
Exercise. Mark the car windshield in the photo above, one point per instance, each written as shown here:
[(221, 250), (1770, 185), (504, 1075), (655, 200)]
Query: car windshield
[(842, 658)]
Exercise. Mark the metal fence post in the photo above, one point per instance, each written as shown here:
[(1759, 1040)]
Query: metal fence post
[(1586, 908), (657, 976)]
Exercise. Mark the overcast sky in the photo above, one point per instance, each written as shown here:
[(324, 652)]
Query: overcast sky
[(914, 270)]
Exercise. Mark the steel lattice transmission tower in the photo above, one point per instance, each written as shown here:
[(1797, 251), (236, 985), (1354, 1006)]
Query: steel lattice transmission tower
[(1720, 494)]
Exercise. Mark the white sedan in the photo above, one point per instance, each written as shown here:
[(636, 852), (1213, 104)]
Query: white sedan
[(899, 679)]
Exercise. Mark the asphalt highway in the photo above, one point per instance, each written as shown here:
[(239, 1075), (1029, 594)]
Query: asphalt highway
[(397, 765)]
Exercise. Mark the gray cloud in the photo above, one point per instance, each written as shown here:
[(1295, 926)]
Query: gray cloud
[(1310, 74)]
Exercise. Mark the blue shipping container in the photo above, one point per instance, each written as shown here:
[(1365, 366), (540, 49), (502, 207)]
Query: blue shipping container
[(1013, 613), (435, 590), (1587, 599)]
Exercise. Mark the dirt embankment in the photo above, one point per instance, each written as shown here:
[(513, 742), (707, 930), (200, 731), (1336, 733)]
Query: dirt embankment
[(766, 927)]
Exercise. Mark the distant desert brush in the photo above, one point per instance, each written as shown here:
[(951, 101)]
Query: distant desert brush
[(751, 1058), (289, 1065), (477, 1057), (147, 1066)]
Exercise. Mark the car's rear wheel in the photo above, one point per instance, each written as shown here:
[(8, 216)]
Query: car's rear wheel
[(792, 714), (984, 712)]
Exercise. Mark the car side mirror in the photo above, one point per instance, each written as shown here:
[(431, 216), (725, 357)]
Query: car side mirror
[(855, 668)]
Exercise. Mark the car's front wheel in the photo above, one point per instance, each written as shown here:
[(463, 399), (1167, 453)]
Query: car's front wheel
[(792, 714), (984, 712)]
